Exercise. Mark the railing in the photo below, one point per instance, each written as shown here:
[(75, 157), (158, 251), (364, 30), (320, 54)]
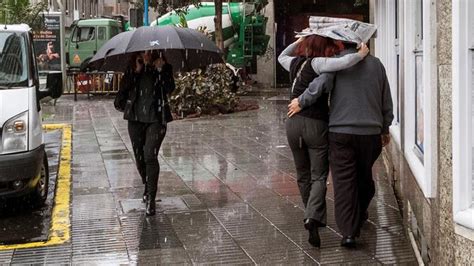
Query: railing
[(92, 83)]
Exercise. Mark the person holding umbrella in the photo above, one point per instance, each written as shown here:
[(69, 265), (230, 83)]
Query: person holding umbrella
[(147, 80), (143, 97)]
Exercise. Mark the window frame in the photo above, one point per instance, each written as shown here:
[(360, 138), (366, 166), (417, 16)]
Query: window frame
[(78, 30), (104, 33), (391, 56), (462, 107), (424, 165)]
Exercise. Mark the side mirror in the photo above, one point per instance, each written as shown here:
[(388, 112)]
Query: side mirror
[(54, 85)]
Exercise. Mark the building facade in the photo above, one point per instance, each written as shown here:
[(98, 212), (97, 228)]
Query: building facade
[(286, 17), (84, 9), (427, 47)]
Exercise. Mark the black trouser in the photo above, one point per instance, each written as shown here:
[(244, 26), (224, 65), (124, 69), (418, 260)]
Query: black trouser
[(146, 141), (351, 158), (308, 141)]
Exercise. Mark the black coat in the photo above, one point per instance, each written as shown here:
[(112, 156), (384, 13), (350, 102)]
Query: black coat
[(127, 94)]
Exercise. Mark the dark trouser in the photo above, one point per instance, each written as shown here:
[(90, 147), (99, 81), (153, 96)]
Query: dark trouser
[(351, 158), (308, 141), (146, 141)]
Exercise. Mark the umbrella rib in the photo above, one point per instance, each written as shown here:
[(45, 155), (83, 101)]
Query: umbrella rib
[(179, 37)]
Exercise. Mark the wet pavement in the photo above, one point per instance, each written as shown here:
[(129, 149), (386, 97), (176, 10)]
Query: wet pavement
[(21, 221), (228, 196)]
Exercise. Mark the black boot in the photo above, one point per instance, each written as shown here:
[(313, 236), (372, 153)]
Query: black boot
[(150, 207), (348, 242), (312, 227), (145, 195)]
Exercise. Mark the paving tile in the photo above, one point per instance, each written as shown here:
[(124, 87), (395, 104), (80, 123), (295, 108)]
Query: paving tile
[(205, 240), (44, 255), (6, 256), (257, 236), (228, 190)]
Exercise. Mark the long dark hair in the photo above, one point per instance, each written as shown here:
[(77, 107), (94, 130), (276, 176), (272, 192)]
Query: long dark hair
[(132, 60), (158, 54)]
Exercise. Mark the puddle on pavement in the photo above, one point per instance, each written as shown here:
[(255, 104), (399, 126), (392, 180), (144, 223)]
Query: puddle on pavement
[(20, 222)]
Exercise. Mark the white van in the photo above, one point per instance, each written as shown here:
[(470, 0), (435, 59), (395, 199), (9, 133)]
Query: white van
[(23, 160)]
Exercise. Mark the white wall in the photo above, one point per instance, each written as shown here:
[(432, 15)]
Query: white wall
[(266, 64)]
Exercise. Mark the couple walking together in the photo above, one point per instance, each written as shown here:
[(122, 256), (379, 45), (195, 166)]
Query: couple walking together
[(345, 136)]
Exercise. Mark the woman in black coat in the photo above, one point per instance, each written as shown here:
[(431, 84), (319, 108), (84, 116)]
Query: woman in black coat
[(143, 97)]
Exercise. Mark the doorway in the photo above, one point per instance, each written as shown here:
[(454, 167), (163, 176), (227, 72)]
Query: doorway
[(292, 16)]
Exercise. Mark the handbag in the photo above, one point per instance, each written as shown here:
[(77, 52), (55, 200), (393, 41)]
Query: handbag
[(121, 98), (298, 75)]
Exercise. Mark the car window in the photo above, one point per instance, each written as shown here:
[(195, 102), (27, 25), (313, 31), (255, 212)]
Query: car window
[(101, 33), (84, 34), (114, 31)]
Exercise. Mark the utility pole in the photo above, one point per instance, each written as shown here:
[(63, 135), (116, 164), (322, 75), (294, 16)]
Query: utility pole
[(218, 25), (62, 38), (145, 13)]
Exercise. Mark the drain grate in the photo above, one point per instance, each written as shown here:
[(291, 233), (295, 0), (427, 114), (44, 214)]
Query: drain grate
[(167, 204), (192, 201)]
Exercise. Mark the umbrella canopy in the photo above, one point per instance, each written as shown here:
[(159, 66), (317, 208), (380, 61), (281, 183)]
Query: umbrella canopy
[(185, 49)]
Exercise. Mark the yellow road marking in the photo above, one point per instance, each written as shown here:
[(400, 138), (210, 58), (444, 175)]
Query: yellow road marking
[(60, 231)]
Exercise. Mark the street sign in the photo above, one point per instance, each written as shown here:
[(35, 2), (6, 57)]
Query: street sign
[(48, 43)]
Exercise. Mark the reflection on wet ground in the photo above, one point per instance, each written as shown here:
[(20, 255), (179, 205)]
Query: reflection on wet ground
[(228, 191), (20, 220)]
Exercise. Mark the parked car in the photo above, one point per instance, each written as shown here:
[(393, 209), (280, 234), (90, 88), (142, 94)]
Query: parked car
[(23, 160)]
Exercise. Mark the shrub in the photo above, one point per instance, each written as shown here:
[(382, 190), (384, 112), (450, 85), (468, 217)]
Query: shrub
[(204, 92)]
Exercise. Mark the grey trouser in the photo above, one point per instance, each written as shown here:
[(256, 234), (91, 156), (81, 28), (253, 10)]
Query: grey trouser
[(308, 140)]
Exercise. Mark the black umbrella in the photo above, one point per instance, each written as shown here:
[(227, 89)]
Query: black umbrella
[(185, 49)]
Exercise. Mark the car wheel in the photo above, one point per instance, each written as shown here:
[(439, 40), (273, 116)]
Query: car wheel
[(41, 190)]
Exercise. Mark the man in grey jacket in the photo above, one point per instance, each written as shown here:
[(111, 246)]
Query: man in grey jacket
[(360, 115)]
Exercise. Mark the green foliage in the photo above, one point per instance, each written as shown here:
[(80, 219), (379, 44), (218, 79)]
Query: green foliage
[(204, 92), (21, 11)]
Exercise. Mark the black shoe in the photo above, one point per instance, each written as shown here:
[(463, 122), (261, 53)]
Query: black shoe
[(312, 227), (348, 242), (150, 207), (145, 195), (309, 224)]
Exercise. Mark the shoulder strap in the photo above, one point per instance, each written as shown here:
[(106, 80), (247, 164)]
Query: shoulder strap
[(298, 74)]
